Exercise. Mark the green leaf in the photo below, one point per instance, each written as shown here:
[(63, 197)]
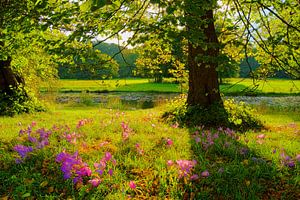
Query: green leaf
[(26, 195)]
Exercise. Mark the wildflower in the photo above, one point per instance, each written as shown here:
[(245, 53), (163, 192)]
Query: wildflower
[(298, 157), (290, 164), (32, 139), (107, 156), (83, 122), (102, 144), (244, 151), (205, 173), (110, 172), (169, 142), (194, 177), (197, 139), (261, 136), (132, 185), (274, 150), (176, 125), (95, 182), (72, 166), (170, 163), (139, 149), (33, 123), (125, 131), (22, 150), (114, 162), (84, 171), (100, 171), (185, 167), (77, 179)]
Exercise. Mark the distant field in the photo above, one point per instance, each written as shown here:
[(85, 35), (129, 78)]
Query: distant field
[(232, 86)]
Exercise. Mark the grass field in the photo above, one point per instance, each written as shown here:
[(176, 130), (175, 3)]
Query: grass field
[(133, 154), (234, 86)]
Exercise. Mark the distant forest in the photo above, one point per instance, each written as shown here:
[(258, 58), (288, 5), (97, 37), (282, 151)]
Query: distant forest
[(127, 67)]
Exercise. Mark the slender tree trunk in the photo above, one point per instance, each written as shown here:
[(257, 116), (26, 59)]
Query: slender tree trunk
[(202, 64)]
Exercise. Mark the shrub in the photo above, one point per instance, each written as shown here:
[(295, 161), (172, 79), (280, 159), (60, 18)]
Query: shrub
[(241, 116), (20, 101), (231, 114)]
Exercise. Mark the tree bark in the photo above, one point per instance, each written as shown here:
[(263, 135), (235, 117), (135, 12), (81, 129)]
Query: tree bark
[(202, 64), (8, 79)]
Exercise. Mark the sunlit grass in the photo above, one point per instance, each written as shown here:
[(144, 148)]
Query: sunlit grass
[(243, 166), (235, 86)]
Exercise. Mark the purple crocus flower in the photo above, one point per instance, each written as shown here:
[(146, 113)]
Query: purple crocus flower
[(22, 150), (194, 177), (205, 174), (110, 172), (95, 182)]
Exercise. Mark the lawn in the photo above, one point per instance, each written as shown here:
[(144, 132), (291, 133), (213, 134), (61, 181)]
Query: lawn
[(232, 86), (96, 153)]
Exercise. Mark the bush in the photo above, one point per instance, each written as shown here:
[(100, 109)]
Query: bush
[(231, 114), (20, 101)]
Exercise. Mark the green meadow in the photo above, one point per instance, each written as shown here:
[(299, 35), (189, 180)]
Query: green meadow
[(133, 154), (230, 86)]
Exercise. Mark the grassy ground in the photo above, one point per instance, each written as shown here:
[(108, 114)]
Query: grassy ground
[(230, 86), (152, 159)]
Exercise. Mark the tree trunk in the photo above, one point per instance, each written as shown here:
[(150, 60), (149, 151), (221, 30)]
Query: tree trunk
[(8, 79), (202, 64)]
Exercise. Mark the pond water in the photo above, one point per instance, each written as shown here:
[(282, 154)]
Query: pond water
[(142, 100)]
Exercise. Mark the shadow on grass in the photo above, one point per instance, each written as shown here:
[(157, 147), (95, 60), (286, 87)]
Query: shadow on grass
[(236, 172)]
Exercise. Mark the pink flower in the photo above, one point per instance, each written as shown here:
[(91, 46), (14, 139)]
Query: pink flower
[(298, 157), (84, 171), (108, 156), (95, 182), (205, 173), (170, 163), (197, 139), (169, 142), (132, 185), (110, 172), (194, 177), (176, 125), (261, 136), (33, 123)]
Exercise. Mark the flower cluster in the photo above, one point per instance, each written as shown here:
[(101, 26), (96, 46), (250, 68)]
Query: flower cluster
[(287, 160), (138, 149), (185, 167), (125, 131), (83, 122), (39, 139), (207, 139), (71, 137), (103, 164), (73, 167), (22, 151), (43, 139)]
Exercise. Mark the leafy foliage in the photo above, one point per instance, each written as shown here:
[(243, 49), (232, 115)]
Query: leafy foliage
[(21, 101), (234, 115)]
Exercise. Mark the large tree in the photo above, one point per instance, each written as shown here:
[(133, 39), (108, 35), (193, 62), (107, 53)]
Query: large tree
[(192, 23)]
